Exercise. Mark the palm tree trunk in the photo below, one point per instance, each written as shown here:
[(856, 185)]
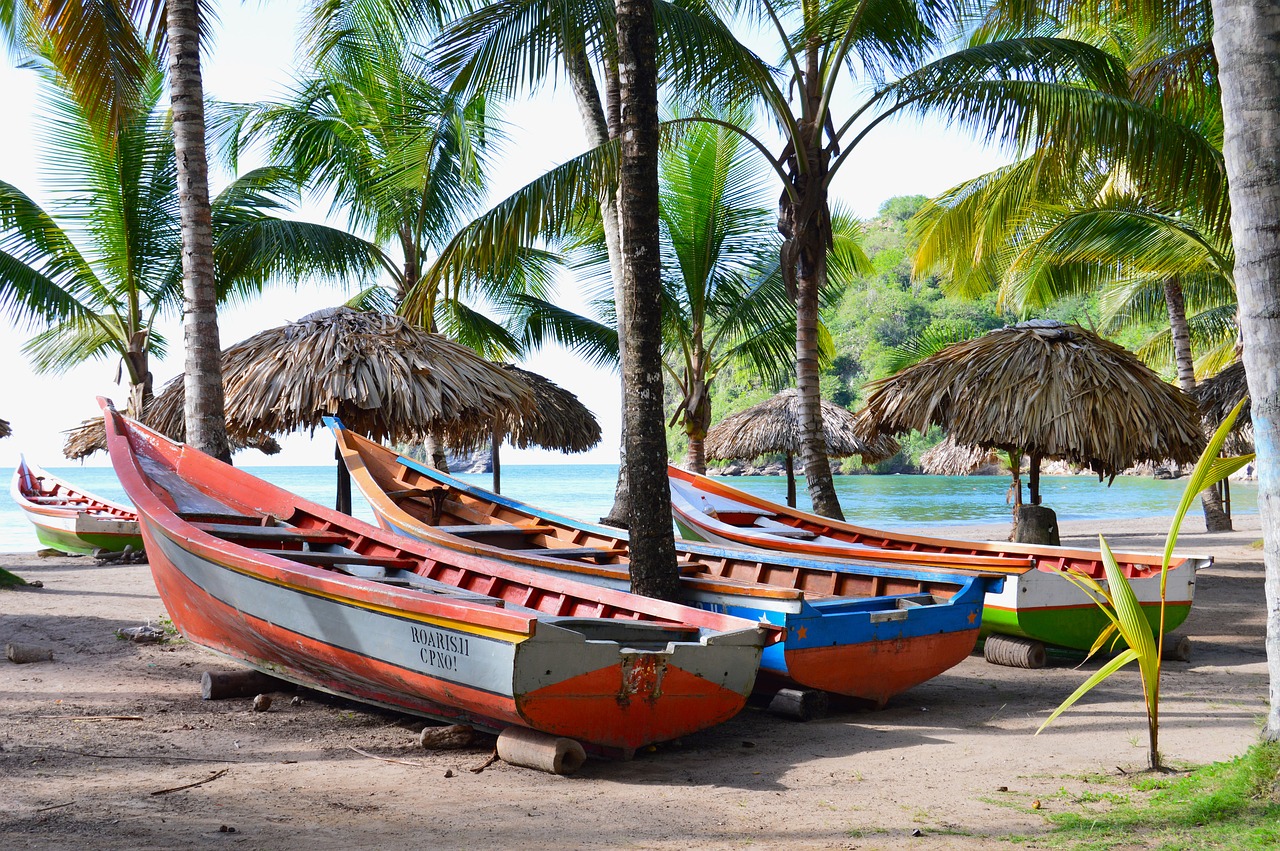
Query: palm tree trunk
[(790, 465), (205, 414), (653, 553), (1215, 519), (695, 458), (495, 460), (1246, 39), (138, 366), (813, 451), (697, 413), (433, 448), (596, 125), (805, 222)]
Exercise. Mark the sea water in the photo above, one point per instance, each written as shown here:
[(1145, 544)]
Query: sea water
[(585, 491)]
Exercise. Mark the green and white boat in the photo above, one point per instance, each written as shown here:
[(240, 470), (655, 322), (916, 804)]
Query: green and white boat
[(1036, 607), (69, 519)]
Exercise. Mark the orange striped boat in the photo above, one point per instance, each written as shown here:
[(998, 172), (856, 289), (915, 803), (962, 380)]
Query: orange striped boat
[(1035, 604)]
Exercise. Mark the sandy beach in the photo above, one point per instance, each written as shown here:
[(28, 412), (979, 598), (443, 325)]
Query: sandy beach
[(95, 742)]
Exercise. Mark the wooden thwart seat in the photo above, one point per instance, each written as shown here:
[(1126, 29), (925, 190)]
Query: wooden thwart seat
[(574, 552), (415, 493), (324, 559), (786, 532), (782, 530), (282, 534), (226, 517), (410, 580)]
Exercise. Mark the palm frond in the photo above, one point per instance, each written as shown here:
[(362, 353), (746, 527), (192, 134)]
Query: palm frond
[(544, 321)]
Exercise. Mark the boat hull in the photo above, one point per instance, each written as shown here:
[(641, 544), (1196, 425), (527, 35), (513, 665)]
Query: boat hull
[(83, 535), (870, 649), (536, 652), (447, 669), (1042, 606)]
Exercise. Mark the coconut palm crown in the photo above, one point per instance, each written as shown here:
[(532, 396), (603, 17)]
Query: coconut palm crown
[(101, 266)]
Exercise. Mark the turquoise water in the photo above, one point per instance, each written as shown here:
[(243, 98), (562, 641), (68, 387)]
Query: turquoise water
[(586, 491)]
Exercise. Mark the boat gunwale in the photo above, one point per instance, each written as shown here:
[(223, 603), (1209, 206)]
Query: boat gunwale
[(710, 624), (115, 512)]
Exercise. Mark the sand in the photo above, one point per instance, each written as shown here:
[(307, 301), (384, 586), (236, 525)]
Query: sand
[(953, 759)]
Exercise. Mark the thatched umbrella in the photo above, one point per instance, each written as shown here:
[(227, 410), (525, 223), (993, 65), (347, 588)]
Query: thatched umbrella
[(5, 431), (1217, 396), (1045, 389), (381, 375), (949, 458), (165, 414), (774, 426), (558, 420)]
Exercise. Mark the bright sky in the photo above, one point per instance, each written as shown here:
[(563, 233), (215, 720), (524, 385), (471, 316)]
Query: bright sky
[(251, 60)]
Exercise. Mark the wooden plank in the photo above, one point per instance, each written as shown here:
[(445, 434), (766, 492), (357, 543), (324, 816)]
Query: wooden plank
[(414, 493), (321, 559), (230, 517), (572, 552), (272, 533), (470, 530), (783, 531)]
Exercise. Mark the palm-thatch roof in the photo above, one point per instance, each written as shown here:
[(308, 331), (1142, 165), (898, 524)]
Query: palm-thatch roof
[(558, 419), (774, 426), (378, 373), (1044, 388), (949, 458), (381, 375), (1217, 396), (164, 413), (5, 431)]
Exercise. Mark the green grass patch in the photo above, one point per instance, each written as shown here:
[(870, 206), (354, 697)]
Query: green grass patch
[(10, 580), (1233, 805)]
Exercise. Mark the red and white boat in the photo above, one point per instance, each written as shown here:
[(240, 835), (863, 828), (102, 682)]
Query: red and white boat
[(313, 596)]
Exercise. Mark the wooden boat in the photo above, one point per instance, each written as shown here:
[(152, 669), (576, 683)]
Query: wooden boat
[(1034, 604), (69, 519), (316, 597), (853, 629)]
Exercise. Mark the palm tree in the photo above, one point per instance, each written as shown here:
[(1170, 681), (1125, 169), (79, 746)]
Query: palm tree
[(103, 51), (1249, 69), (100, 269), (1011, 87), (404, 159), (1072, 218), (724, 301), (653, 550), (514, 46)]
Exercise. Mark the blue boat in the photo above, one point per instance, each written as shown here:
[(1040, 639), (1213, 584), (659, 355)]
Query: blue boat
[(852, 628)]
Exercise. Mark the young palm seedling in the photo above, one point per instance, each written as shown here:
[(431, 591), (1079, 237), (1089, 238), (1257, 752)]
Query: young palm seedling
[(1119, 603)]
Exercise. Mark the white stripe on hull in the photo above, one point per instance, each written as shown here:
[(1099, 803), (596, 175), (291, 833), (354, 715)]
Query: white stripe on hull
[(453, 656)]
